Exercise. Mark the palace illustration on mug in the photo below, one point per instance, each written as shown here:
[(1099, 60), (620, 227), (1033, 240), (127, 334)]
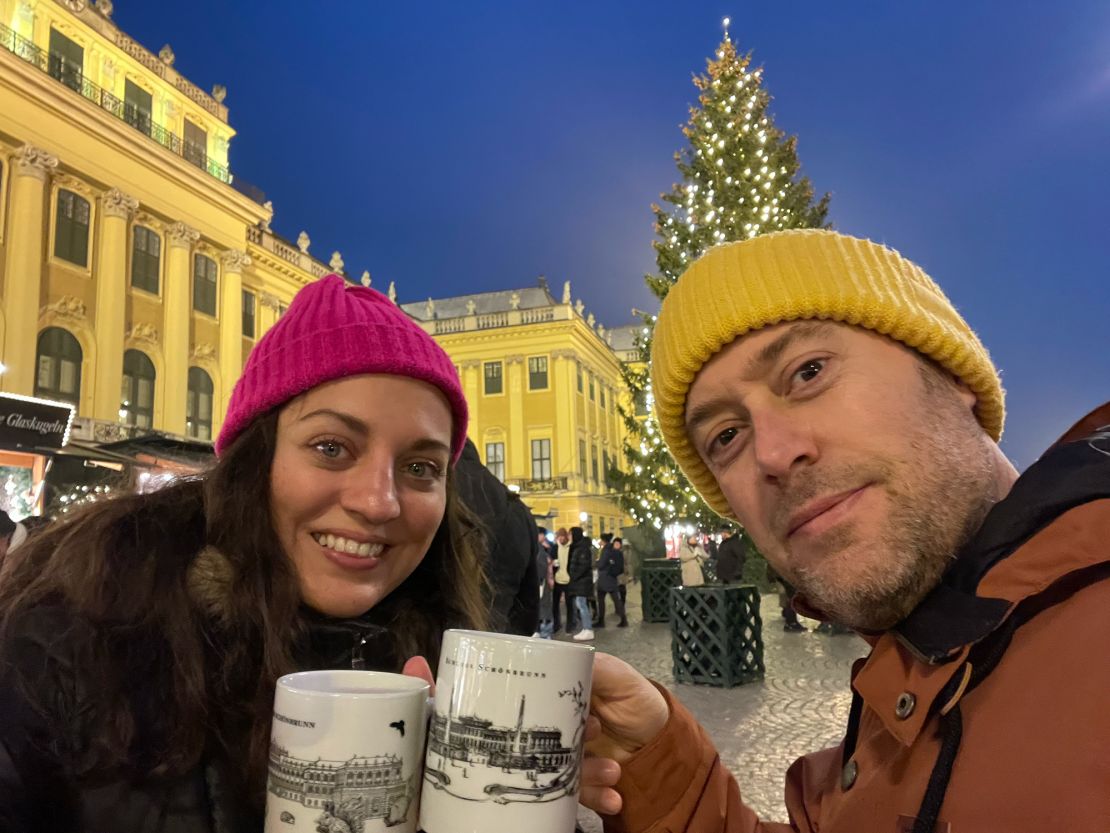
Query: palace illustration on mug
[(353, 791), (471, 758)]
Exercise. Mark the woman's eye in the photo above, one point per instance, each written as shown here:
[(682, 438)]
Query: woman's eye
[(809, 371), (423, 470), (330, 449)]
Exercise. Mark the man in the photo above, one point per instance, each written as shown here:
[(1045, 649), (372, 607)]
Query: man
[(610, 566), (510, 555), (822, 391), (730, 557), (580, 588)]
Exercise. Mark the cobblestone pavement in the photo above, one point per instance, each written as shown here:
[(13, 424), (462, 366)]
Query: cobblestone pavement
[(759, 728)]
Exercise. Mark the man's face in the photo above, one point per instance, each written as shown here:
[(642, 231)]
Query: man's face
[(858, 469), (617, 545)]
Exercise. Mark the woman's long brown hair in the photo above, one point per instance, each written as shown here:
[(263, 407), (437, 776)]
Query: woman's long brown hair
[(161, 677)]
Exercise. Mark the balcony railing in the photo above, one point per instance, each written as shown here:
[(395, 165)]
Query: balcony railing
[(73, 77), (554, 484), (271, 242)]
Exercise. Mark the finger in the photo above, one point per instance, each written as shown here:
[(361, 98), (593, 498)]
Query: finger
[(600, 772), (593, 728), (603, 800), (418, 667)]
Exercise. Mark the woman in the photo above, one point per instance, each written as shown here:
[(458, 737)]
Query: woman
[(140, 642), (692, 556)]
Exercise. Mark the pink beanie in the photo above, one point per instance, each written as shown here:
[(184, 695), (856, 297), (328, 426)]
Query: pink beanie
[(335, 329)]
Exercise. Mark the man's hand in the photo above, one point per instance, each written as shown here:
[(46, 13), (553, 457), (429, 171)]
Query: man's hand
[(626, 713)]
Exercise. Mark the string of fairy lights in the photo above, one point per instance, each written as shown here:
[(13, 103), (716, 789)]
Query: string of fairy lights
[(738, 180)]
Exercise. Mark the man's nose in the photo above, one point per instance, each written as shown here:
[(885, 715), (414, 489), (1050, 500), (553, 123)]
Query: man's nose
[(783, 441)]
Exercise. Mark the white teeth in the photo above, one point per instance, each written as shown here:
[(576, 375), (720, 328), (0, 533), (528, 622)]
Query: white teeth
[(347, 546)]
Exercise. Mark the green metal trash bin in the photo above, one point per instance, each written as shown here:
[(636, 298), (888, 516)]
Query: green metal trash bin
[(657, 577), (716, 635)]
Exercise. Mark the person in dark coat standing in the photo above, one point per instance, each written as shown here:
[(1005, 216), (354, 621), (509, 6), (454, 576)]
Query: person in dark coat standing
[(730, 557), (580, 566), (609, 567), (545, 570), (511, 545)]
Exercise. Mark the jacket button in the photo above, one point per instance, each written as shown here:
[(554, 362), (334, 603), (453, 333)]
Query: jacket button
[(848, 775), (904, 707)]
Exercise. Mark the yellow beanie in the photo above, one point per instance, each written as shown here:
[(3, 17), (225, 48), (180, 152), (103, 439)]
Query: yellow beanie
[(794, 275)]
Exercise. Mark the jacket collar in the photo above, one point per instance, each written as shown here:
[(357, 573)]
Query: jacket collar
[(327, 642)]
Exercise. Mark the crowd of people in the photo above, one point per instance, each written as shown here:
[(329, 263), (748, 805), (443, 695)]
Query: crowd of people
[(833, 405)]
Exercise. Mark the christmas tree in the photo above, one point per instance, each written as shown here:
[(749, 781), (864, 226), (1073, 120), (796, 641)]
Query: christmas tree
[(739, 179)]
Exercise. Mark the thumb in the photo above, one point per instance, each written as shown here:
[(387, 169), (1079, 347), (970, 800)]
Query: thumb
[(418, 667)]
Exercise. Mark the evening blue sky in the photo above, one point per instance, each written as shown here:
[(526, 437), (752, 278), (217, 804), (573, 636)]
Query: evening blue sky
[(464, 147)]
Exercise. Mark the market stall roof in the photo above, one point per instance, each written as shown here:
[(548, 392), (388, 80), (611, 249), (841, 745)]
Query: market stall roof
[(167, 450)]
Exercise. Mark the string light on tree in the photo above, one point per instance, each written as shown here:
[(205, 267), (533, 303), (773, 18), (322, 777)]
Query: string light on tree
[(739, 178)]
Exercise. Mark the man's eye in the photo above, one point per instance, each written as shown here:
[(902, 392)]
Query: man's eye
[(809, 371), (724, 438)]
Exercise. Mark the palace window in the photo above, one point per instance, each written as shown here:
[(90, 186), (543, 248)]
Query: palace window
[(204, 284), (537, 373), (71, 228), (195, 148), (492, 372), (495, 460), (198, 408), (58, 366), (541, 459), (137, 106), (137, 396), (66, 61), (248, 314), (146, 259)]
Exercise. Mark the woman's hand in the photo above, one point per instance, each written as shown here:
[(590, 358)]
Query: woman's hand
[(626, 713), (418, 667)]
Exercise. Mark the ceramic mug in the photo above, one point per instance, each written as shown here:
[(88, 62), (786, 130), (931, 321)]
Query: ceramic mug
[(506, 735), (346, 750)]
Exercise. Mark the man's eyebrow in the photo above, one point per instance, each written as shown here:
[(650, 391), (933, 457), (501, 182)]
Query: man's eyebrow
[(770, 353), (703, 412)]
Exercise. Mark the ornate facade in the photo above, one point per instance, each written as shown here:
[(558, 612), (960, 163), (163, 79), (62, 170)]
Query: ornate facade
[(543, 382), (135, 272)]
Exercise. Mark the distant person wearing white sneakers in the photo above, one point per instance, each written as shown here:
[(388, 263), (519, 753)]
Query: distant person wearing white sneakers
[(580, 566)]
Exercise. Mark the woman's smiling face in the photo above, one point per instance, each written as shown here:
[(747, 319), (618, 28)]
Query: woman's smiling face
[(358, 486)]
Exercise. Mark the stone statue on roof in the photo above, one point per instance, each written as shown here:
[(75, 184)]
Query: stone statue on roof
[(566, 292)]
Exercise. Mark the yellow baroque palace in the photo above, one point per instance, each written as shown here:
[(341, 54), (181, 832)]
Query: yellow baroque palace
[(543, 381), (135, 272)]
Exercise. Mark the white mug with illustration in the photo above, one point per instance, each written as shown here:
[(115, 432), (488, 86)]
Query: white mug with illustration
[(506, 736), (346, 750)]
